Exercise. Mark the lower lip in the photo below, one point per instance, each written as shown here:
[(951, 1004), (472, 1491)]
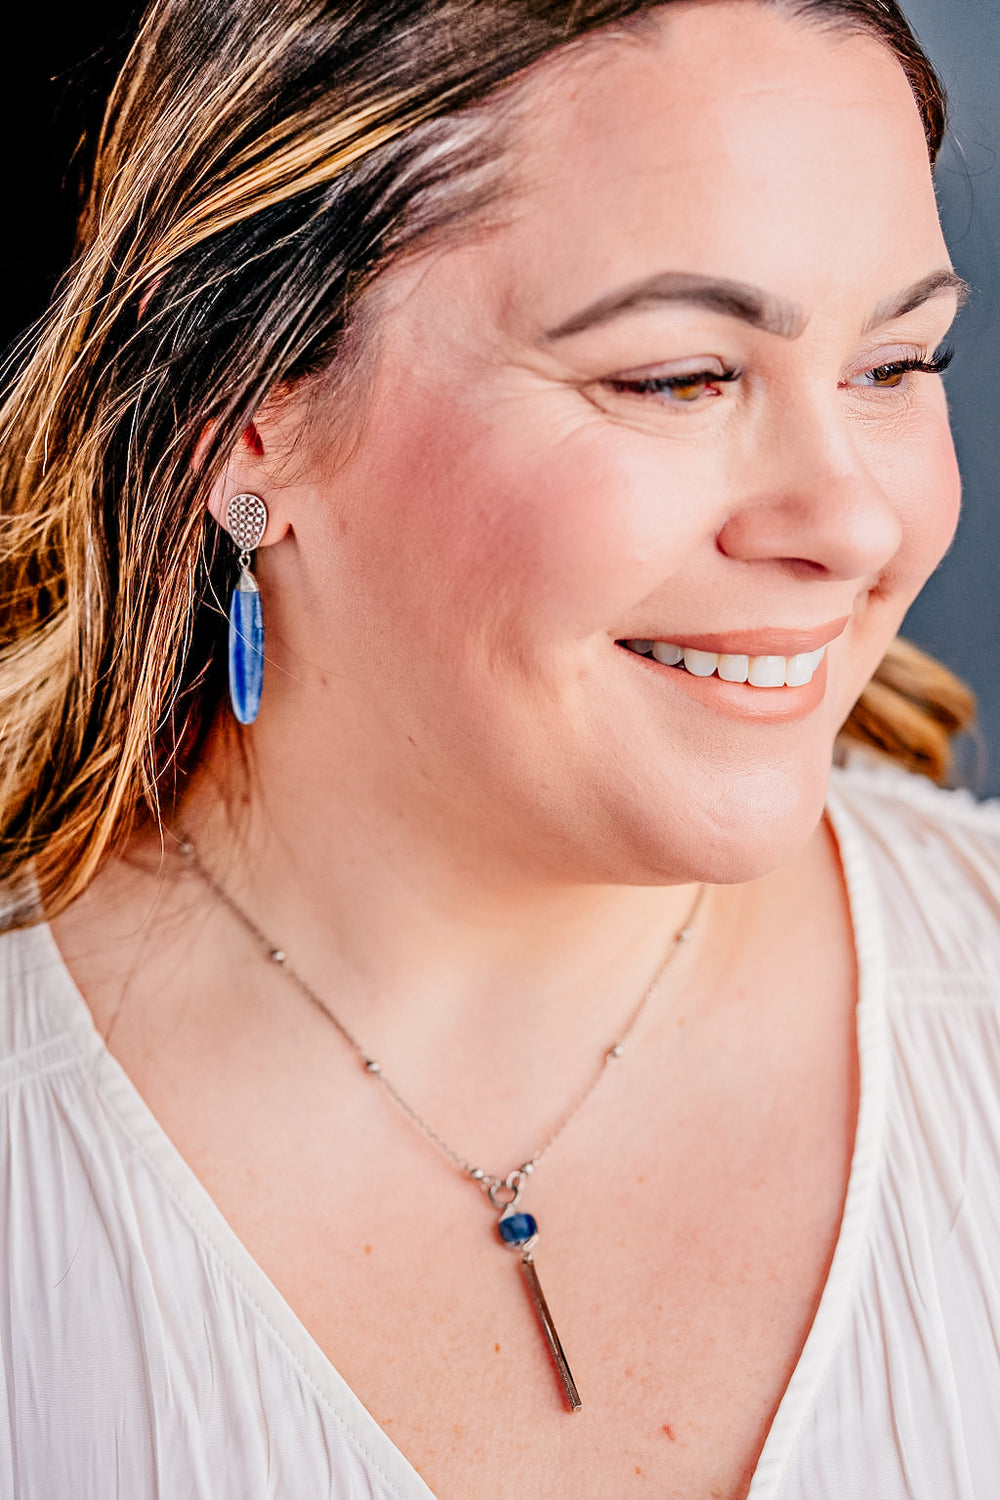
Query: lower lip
[(738, 699)]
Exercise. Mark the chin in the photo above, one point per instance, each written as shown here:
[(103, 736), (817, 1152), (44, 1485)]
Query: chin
[(727, 831)]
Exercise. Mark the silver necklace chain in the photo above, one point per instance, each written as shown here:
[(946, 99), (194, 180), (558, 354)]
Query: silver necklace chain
[(503, 1189)]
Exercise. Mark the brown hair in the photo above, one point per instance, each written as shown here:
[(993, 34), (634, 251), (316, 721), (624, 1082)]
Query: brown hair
[(261, 163)]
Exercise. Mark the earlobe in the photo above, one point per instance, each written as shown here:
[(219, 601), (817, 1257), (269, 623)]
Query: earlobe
[(242, 478)]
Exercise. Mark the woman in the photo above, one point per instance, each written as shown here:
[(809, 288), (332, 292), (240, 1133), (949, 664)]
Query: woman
[(567, 377)]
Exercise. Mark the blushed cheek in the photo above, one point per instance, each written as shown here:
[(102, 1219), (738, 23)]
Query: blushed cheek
[(592, 523), (540, 530), (933, 504)]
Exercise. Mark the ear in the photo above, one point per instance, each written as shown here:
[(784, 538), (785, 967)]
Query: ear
[(246, 472)]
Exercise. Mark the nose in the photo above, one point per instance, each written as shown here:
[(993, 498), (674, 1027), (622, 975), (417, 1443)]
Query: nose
[(814, 500)]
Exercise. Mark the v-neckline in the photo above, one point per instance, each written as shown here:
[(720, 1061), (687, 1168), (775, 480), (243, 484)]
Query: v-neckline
[(866, 1159), (359, 1426)]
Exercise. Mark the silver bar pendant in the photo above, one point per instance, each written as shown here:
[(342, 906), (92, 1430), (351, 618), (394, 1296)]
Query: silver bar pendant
[(519, 1232), (549, 1329)]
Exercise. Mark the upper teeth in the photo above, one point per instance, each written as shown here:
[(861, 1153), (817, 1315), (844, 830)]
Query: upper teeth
[(758, 671)]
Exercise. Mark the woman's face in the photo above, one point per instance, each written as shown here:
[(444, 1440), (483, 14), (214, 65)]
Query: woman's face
[(667, 400)]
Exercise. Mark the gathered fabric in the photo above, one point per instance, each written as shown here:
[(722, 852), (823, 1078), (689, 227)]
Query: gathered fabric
[(145, 1355)]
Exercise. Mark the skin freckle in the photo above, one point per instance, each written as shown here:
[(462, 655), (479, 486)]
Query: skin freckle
[(669, 1432)]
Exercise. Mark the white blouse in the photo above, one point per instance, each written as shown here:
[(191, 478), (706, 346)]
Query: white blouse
[(146, 1355)]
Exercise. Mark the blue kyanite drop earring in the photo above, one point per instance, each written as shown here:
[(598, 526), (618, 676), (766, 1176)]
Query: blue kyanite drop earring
[(246, 520)]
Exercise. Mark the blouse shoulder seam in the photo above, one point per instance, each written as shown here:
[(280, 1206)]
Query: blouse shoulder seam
[(958, 987), (958, 804), (54, 1054)]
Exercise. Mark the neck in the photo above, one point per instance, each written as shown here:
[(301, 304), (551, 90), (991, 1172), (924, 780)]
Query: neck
[(488, 994), (418, 935)]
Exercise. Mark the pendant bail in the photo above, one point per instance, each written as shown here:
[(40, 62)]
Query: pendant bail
[(512, 1185)]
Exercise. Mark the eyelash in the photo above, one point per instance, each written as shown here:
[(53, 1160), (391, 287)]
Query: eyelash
[(935, 366), (655, 385), (658, 384)]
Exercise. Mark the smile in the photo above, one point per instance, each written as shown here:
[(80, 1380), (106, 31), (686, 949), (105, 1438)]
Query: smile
[(756, 671)]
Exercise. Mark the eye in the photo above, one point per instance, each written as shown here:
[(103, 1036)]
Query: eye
[(683, 390), (890, 376)]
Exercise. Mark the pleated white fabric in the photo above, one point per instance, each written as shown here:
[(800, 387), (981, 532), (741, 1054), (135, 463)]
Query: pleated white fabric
[(146, 1356)]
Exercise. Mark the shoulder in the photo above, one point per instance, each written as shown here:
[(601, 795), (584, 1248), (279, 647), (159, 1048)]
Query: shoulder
[(42, 1015), (883, 794), (923, 871), (929, 860)]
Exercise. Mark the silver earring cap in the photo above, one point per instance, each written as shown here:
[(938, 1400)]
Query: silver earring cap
[(246, 521)]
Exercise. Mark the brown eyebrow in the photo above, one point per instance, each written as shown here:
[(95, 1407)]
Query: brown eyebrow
[(945, 280), (735, 299)]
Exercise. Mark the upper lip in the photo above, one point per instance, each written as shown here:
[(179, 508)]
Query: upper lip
[(769, 642)]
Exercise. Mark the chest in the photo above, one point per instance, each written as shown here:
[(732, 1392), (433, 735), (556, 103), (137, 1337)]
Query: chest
[(687, 1221), (685, 1237)]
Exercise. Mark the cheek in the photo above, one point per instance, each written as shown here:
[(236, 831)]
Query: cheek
[(923, 483), (592, 526), (541, 526)]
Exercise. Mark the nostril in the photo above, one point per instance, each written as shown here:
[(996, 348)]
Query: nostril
[(837, 531), (804, 568)]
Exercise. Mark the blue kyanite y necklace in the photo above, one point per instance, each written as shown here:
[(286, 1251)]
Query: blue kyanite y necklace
[(516, 1229)]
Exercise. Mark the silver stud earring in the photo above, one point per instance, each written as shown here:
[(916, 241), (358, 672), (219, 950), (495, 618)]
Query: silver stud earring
[(246, 522)]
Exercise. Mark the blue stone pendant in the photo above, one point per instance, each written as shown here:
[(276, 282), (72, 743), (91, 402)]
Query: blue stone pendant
[(246, 648), (519, 1231)]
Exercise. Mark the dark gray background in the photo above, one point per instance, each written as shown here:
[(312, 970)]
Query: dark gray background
[(957, 617), (55, 76)]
